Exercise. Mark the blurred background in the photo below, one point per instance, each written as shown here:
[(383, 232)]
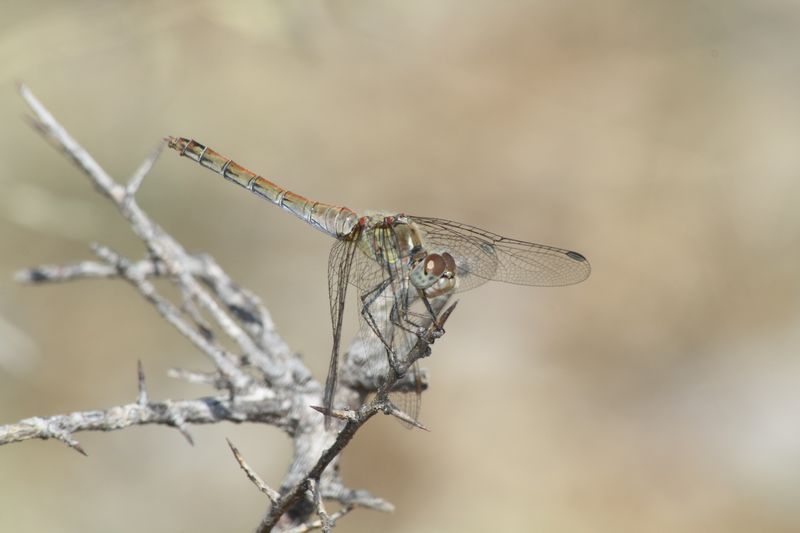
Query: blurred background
[(660, 139)]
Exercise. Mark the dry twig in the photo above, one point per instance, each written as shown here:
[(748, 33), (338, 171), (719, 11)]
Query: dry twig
[(263, 381)]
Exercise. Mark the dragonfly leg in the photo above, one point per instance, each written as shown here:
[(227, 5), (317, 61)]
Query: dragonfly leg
[(429, 307), (401, 318), (367, 300), (390, 353)]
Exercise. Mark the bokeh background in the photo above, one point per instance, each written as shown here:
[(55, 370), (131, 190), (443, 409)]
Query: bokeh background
[(660, 139)]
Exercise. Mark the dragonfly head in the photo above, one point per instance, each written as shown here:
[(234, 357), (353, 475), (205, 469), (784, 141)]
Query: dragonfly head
[(435, 274)]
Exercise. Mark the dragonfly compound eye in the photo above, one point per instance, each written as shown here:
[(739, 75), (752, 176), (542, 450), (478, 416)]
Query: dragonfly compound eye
[(432, 269), (449, 265), (434, 265)]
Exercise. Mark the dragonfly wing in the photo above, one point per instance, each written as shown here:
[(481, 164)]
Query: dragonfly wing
[(482, 256), (410, 401), (387, 317), (340, 263)]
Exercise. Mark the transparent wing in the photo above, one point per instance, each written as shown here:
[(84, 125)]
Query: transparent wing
[(410, 402), (387, 318), (340, 263), (482, 256)]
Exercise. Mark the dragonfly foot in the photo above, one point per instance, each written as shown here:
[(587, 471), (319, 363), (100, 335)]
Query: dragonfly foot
[(431, 333), (399, 367)]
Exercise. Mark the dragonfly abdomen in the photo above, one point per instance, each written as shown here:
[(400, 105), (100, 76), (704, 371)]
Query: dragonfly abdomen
[(334, 220)]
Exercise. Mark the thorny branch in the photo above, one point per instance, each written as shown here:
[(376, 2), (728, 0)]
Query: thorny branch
[(262, 381)]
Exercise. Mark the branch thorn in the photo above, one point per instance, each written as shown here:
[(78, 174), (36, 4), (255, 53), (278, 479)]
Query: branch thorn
[(136, 180), (272, 494), (335, 413), (392, 409), (142, 398)]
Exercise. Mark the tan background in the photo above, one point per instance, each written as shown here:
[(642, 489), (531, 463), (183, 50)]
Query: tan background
[(661, 139)]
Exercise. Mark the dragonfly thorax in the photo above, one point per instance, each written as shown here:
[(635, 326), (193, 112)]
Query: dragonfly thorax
[(390, 240), (398, 245)]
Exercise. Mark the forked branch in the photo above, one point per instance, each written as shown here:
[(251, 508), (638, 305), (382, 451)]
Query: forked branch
[(262, 380)]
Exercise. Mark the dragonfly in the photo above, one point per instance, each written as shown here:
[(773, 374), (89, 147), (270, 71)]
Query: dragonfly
[(398, 263)]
